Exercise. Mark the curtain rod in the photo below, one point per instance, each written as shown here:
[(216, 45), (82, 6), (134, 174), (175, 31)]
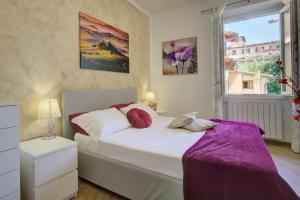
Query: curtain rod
[(210, 10), (237, 2)]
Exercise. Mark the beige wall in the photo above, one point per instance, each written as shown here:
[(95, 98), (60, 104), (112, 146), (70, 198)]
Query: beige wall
[(39, 52), (235, 83), (184, 93)]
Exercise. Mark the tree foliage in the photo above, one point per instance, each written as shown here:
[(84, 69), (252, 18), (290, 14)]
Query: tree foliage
[(265, 67)]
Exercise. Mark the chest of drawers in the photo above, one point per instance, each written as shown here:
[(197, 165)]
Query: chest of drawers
[(9, 152)]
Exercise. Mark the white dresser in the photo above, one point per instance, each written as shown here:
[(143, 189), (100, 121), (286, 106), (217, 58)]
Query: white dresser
[(48, 169), (9, 151)]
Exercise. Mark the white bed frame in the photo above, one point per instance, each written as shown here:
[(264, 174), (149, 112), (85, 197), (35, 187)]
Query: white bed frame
[(124, 179)]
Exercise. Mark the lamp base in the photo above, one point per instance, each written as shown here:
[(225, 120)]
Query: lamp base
[(50, 123), (48, 137), (152, 105)]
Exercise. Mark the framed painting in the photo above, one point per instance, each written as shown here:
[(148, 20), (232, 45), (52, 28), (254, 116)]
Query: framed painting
[(180, 56), (102, 47)]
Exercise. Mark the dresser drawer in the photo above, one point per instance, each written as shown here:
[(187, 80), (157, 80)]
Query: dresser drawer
[(10, 160), (13, 196), (54, 165), (9, 138), (60, 188), (9, 183), (9, 116)]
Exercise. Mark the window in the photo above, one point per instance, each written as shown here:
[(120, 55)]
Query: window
[(256, 72), (248, 84)]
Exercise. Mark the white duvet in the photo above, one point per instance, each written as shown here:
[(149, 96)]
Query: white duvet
[(156, 148)]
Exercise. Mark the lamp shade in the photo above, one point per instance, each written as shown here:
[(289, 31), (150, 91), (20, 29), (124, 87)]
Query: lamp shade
[(150, 96), (48, 109)]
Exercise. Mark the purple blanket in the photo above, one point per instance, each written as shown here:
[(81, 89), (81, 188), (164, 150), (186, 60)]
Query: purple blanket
[(231, 162)]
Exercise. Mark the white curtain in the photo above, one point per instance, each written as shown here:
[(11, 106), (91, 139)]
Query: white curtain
[(295, 31), (218, 58)]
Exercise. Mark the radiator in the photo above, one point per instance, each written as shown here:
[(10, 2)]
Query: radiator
[(269, 114)]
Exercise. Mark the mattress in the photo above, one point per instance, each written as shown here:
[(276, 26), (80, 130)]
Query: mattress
[(156, 148)]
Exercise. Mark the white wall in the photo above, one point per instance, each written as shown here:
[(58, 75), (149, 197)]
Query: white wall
[(183, 93)]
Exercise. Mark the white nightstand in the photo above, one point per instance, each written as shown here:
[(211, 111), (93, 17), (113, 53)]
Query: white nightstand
[(48, 169), (161, 112)]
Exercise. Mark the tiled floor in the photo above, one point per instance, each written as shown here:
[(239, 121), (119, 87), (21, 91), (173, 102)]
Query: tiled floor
[(287, 162)]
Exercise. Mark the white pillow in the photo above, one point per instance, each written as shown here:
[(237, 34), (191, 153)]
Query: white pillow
[(181, 121), (100, 123), (141, 106), (192, 114), (200, 125)]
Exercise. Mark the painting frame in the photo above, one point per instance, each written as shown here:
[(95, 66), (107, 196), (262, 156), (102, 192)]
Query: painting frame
[(102, 46), (180, 56)]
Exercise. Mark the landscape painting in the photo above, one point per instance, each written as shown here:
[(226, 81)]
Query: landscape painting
[(102, 47), (180, 56)]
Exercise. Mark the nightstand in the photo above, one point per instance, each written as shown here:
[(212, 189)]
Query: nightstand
[(48, 169), (161, 112)]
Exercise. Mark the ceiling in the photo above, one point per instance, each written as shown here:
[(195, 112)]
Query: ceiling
[(239, 13), (154, 6)]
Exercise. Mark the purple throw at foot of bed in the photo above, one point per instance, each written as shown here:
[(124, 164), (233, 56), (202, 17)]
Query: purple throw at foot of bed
[(231, 162)]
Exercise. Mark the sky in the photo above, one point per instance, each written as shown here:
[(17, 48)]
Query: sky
[(256, 30)]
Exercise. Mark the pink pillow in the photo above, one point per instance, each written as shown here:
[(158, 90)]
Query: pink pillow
[(76, 127), (122, 105), (139, 118)]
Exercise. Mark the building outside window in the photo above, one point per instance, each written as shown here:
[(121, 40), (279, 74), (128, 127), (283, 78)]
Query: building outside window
[(256, 71), (248, 84)]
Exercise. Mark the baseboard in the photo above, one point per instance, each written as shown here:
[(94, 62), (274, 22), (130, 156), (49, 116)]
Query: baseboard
[(276, 142)]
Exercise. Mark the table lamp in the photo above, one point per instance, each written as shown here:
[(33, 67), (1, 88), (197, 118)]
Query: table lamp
[(48, 112), (150, 98)]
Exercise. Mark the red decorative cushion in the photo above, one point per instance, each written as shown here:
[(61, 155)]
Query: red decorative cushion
[(139, 118), (76, 127), (122, 105)]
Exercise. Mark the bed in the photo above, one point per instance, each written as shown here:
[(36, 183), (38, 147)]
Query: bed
[(130, 181), (230, 161), (156, 148)]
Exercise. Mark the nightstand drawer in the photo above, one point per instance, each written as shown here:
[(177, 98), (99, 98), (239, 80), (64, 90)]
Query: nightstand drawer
[(13, 196), (10, 160), (55, 165), (9, 138), (9, 116), (9, 183), (60, 188)]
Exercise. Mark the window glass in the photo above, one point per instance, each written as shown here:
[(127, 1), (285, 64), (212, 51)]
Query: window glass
[(256, 71)]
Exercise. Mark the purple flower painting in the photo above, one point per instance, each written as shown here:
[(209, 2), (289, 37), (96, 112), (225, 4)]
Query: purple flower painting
[(180, 56)]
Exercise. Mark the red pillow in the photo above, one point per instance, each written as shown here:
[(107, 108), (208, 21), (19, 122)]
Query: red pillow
[(76, 127), (139, 118), (122, 105)]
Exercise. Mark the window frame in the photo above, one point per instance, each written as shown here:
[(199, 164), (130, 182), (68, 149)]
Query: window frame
[(257, 50)]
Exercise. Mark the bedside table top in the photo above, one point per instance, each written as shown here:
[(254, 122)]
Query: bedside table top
[(161, 111), (38, 147), (8, 103)]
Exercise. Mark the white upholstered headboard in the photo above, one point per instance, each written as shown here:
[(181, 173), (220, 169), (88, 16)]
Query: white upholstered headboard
[(75, 101)]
